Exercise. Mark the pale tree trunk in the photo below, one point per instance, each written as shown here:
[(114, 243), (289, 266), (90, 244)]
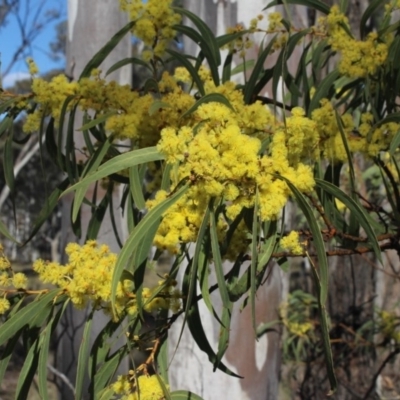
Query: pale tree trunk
[(91, 24)]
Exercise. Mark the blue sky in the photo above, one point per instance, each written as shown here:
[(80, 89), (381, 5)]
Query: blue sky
[(10, 39)]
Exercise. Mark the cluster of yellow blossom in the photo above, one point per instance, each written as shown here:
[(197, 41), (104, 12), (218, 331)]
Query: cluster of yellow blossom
[(154, 22), (131, 119), (245, 42), (388, 323), (217, 148), (87, 278), (9, 279), (367, 137), (87, 275), (33, 69), (295, 314), (359, 58), (144, 387), (220, 153), (274, 21), (392, 6), (165, 296), (291, 242)]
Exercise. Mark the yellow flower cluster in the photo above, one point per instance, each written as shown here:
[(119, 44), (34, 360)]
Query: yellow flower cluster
[(295, 314), (9, 279), (299, 329), (165, 296), (388, 325), (154, 23), (219, 152), (291, 242), (275, 21), (33, 69), (359, 58), (143, 387), (50, 96), (131, 119), (87, 275), (87, 278), (367, 138)]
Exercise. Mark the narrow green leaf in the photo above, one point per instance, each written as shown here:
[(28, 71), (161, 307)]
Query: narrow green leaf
[(5, 124), (372, 7), (224, 335), (271, 326), (227, 70), (127, 61), (325, 89), (98, 215), (97, 121), (43, 359), (216, 252), (27, 372), (317, 238), (44, 351), (26, 315), (325, 329), (104, 52), (7, 352), (139, 232), (243, 67), (313, 4), (394, 145), (135, 186), (199, 336), (106, 394), (140, 258), (189, 281), (223, 291), (208, 41), (162, 360), (166, 179), (355, 208), (206, 50), (192, 71), (90, 167), (281, 68), (51, 146), (249, 89), (184, 395), (4, 231), (4, 105), (86, 134), (119, 163), (83, 356), (108, 370), (203, 277), (269, 245), (254, 261)]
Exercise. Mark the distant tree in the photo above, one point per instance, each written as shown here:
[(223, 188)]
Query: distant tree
[(31, 18)]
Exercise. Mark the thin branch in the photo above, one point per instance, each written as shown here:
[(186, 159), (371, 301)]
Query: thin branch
[(267, 100), (380, 369), (63, 377)]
